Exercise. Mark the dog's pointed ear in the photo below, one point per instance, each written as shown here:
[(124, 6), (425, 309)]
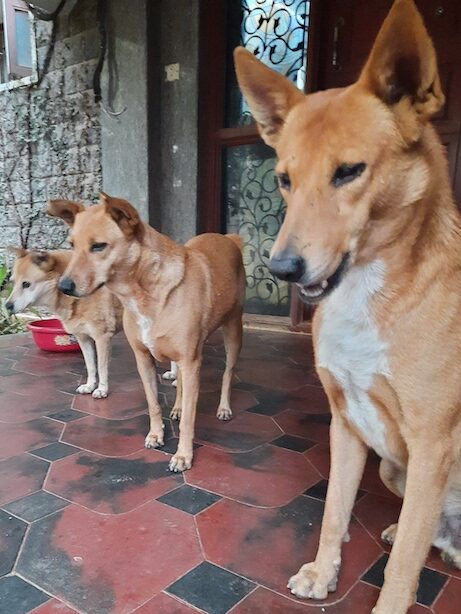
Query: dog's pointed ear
[(65, 209), (269, 95), (402, 69), (124, 214), (44, 260), (19, 252)]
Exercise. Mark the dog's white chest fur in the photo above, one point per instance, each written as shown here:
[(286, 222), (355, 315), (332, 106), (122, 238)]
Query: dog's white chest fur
[(350, 348), (144, 324)]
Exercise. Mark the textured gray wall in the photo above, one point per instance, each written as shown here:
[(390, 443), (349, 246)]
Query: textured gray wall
[(179, 108), (50, 135), (125, 137)]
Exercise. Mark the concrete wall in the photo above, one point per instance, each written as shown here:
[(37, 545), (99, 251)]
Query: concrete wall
[(179, 118), (125, 79), (50, 135)]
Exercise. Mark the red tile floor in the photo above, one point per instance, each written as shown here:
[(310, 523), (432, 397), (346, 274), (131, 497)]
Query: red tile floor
[(92, 522)]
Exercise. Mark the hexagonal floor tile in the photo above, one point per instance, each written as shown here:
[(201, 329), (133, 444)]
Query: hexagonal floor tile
[(244, 432), (244, 476), (300, 424), (20, 476), (276, 374), (20, 437), (112, 485), (108, 437), (100, 563), (119, 405), (269, 545), (165, 604)]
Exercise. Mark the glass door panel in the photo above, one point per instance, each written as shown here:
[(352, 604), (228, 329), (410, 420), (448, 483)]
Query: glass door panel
[(276, 32)]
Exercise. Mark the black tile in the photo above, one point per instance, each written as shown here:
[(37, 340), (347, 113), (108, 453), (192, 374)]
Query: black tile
[(430, 582), (36, 506), (319, 491), (189, 499), (264, 410), (248, 386), (297, 444), (18, 596), (11, 534), (54, 451), (195, 588), (270, 402), (68, 415)]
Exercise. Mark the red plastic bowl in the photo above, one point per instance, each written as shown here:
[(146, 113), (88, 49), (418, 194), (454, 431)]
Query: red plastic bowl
[(49, 335)]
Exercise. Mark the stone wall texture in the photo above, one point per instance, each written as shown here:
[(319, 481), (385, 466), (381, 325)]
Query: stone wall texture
[(50, 135)]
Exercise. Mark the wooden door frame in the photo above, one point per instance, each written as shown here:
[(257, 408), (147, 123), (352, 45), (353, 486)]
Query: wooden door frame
[(212, 137)]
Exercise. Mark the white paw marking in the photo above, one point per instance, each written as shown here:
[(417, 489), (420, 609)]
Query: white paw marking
[(154, 440), (86, 388), (100, 393), (224, 413), (180, 463)]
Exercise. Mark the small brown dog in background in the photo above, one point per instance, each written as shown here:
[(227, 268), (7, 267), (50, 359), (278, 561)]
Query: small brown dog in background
[(93, 320), (174, 297)]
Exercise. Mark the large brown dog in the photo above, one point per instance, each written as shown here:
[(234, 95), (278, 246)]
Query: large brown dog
[(372, 231), (93, 320), (174, 297)]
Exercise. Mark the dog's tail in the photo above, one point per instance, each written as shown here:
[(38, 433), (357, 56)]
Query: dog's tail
[(237, 239)]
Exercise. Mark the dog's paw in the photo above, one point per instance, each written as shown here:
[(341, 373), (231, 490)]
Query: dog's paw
[(388, 535), (309, 583), (180, 463), (86, 388), (175, 413), (154, 440), (452, 557), (169, 375), (100, 392), (224, 413)]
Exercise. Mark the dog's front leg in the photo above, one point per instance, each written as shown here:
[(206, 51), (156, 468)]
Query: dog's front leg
[(190, 378), (348, 456), (87, 346), (146, 369), (102, 355), (427, 474)]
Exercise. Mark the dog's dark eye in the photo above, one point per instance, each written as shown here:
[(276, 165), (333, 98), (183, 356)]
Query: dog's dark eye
[(98, 247), (284, 181), (26, 284), (347, 173)]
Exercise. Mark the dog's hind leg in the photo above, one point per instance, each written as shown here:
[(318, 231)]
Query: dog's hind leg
[(427, 477), (175, 413), (232, 331), (87, 346), (103, 356)]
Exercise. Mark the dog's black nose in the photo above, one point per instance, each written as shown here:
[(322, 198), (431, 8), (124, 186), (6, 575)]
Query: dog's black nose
[(67, 286), (287, 265), (10, 306)]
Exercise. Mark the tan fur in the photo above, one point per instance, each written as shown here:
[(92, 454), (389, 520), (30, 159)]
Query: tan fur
[(93, 320), (398, 216), (174, 297)]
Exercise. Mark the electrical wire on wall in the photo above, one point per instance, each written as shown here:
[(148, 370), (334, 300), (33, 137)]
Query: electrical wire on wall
[(101, 16), (42, 15)]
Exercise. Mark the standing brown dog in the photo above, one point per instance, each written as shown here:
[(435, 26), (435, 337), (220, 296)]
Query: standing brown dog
[(174, 297), (372, 233)]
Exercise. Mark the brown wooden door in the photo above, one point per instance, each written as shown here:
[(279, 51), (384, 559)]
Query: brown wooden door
[(348, 29)]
